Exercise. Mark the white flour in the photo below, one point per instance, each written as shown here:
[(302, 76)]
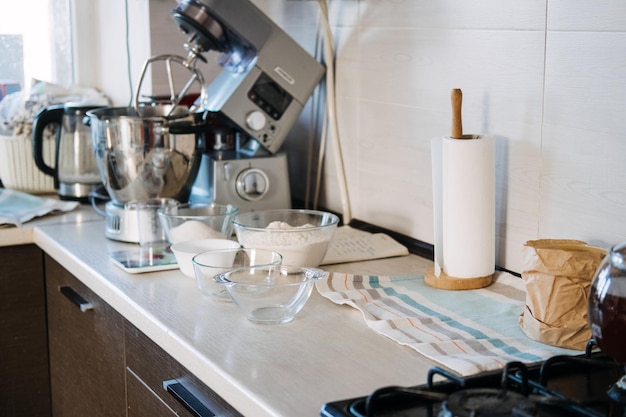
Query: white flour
[(301, 248), (194, 230)]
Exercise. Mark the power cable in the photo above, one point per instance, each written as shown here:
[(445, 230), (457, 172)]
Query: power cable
[(128, 66), (331, 111)]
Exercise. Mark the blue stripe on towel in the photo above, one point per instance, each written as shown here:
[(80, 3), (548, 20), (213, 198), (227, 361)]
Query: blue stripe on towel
[(469, 297)]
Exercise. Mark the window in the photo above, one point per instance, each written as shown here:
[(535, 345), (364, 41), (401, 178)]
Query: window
[(36, 40)]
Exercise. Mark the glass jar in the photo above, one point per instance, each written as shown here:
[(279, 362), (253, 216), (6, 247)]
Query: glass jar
[(607, 304)]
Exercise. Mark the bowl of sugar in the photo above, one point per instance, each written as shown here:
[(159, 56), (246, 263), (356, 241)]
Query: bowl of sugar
[(195, 221), (300, 236), (185, 251)]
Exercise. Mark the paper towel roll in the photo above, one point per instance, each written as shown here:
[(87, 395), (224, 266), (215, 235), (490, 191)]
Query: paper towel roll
[(464, 206)]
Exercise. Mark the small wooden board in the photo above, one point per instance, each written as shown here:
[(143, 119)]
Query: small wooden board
[(446, 282)]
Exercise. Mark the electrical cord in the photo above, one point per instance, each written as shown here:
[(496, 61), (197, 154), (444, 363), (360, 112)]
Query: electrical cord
[(320, 160), (324, 132), (331, 111), (128, 66), (314, 132)]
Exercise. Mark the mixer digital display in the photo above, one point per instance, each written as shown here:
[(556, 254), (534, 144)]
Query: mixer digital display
[(270, 97)]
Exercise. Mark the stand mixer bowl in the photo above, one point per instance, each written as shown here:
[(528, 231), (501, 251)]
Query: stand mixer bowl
[(144, 155)]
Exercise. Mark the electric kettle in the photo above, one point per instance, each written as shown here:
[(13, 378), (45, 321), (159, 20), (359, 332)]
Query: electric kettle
[(75, 172)]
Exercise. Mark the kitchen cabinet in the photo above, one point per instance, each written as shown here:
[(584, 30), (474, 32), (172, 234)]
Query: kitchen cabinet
[(86, 347), (24, 387), (159, 385), (103, 366)]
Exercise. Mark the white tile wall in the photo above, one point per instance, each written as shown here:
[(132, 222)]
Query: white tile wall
[(547, 78)]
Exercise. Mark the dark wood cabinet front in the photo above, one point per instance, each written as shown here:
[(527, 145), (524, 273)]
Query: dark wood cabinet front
[(149, 367), (24, 378), (86, 345), (64, 352)]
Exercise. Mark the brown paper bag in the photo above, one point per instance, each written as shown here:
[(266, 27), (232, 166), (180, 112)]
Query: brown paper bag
[(558, 275)]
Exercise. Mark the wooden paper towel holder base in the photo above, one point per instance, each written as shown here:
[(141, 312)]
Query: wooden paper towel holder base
[(446, 282)]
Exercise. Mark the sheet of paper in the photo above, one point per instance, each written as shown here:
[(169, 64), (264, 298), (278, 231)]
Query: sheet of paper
[(352, 245)]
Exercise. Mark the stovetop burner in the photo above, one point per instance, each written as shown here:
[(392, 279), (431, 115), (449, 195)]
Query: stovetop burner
[(489, 402), (561, 386)]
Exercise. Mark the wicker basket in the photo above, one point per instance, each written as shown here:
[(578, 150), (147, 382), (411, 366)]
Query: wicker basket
[(17, 164)]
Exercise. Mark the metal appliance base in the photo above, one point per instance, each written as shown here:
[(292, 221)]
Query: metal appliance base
[(76, 191), (121, 224), (223, 174)]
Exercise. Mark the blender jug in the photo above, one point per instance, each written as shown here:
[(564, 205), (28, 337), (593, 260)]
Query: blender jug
[(75, 172)]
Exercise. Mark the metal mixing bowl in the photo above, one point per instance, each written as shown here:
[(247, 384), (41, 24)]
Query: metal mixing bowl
[(146, 155)]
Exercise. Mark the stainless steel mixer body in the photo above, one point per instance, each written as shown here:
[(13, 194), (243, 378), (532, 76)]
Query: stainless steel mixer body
[(140, 157)]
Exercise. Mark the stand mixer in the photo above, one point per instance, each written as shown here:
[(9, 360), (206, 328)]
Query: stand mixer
[(224, 148), (256, 99)]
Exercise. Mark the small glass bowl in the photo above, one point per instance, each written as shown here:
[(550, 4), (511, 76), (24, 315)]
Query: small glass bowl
[(271, 294), (207, 265)]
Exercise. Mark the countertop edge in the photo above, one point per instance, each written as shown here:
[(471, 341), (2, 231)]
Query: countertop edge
[(16, 236)]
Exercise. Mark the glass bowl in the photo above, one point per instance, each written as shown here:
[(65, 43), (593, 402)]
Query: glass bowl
[(194, 221), (301, 236), (208, 264), (270, 294)]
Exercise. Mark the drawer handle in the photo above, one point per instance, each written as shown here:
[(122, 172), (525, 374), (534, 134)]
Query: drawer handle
[(187, 399), (75, 298)]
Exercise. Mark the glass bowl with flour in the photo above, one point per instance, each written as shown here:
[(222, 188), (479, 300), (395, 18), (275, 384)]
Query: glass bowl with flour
[(300, 236), (195, 221)]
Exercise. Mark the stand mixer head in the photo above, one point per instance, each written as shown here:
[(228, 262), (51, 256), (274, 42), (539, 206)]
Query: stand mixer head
[(266, 78)]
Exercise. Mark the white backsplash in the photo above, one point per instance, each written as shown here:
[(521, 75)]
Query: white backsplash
[(547, 79)]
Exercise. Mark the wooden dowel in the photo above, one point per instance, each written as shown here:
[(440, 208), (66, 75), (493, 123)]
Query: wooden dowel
[(457, 123)]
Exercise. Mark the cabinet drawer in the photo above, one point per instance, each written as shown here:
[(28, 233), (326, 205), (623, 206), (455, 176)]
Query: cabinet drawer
[(152, 366), (142, 401), (86, 345)]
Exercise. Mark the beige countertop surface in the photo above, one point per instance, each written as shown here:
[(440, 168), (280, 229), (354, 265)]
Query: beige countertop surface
[(326, 354)]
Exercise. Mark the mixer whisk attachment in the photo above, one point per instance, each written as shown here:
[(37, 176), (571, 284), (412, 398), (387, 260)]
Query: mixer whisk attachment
[(175, 96)]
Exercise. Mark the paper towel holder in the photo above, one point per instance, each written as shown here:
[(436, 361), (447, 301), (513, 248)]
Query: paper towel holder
[(439, 279), (445, 282)]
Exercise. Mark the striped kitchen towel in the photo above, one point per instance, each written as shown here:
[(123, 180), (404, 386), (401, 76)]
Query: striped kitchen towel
[(17, 207), (467, 331)]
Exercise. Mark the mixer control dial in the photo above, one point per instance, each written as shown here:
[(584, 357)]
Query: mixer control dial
[(256, 120), (252, 184)]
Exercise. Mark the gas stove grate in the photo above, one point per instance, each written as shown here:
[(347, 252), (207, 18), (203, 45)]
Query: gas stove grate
[(561, 386)]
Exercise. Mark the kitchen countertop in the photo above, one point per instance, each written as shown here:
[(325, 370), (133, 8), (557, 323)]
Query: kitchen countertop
[(326, 354)]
